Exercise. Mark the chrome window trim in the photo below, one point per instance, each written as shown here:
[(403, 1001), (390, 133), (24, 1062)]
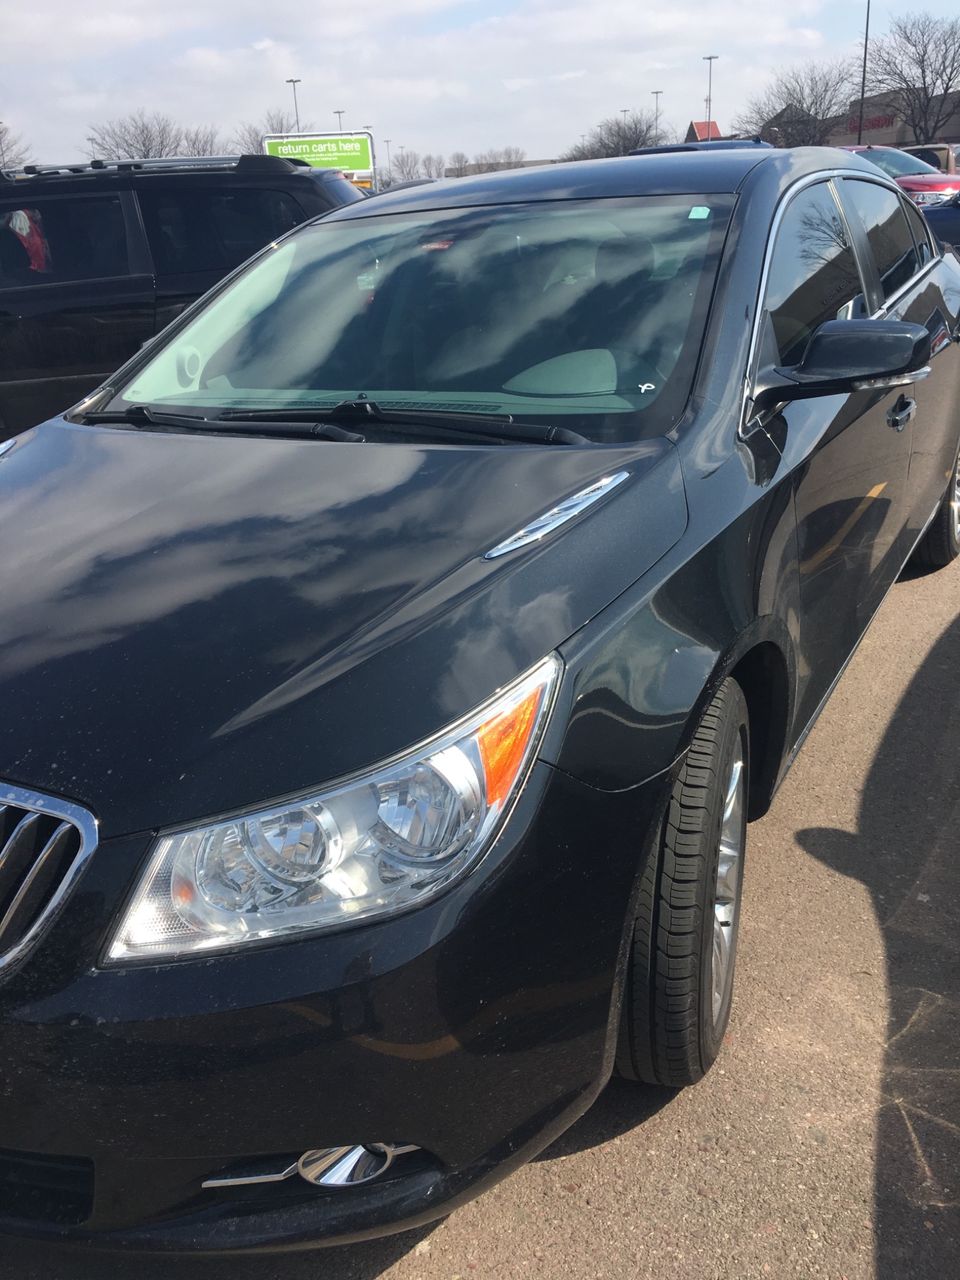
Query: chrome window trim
[(85, 823), (827, 176)]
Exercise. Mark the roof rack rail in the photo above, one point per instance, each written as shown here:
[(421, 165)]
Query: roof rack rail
[(717, 144), (163, 163)]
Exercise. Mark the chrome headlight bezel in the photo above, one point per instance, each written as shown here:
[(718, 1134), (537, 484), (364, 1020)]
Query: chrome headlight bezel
[(359, 849)]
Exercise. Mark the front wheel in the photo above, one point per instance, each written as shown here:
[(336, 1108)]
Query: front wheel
[(680, 977), (940, 545)]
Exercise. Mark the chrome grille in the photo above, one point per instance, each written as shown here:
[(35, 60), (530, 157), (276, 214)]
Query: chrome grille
[(44, 843)]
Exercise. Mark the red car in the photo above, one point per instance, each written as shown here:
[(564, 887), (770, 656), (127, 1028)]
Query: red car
[(924, 184)]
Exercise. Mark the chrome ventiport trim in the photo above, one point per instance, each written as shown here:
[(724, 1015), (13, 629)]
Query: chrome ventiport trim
[(335, 1167), (36, 804), (557, 515)]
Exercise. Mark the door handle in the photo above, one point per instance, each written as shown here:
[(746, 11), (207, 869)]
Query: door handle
[(901, 413)]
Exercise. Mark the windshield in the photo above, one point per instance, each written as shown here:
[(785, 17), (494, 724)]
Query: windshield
[(587, 311), (897, 164)]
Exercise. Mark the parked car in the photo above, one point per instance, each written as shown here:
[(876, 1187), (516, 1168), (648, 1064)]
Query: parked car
[(944, 222), (95, 259), (944, 156), (393, 654), (924, 184)]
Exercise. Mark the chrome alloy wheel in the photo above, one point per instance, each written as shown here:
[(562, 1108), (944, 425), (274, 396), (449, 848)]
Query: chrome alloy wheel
[(955, 501), (727, 892)]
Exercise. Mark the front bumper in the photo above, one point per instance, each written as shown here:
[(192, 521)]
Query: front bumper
[(477, 1027)]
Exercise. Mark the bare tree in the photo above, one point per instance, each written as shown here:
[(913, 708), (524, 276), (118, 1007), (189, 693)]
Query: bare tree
[(202, 140), (433, 166), (918, 61), (498, 158), (616, 136), (136, 135), (248, 137), (407, 165), (14, 152), (512, 157), (459, 163), (800, 107)]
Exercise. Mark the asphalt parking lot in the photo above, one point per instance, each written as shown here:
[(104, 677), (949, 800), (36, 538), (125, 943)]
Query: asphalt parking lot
[(826, 1142)]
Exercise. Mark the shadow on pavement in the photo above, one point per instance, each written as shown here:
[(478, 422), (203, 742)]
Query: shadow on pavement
[(906, 851), (366, 1261), (621, 1107)]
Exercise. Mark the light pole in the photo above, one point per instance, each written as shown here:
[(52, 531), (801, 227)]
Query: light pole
[(710, 59), (296, 110), (656, 116), (863, 78), (387, 142), (624, 111), (340, 115)]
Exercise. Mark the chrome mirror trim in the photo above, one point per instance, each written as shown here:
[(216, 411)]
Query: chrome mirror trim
[(895, 380)]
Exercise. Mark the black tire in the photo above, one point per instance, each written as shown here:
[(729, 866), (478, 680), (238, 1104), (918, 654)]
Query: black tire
[(670, 1033), (940, 545)]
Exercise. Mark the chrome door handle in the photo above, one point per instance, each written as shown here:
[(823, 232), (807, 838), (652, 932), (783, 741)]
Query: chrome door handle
[(901, 413)]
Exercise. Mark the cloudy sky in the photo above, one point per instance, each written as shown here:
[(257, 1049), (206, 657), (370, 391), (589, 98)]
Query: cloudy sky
[(433, 75)]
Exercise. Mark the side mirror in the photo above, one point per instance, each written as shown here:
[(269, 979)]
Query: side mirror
[(849, 355)]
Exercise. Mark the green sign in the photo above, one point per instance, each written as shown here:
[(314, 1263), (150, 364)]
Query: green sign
[(352, 152)]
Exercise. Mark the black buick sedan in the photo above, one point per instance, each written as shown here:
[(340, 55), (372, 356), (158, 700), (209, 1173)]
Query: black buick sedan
[(393, 655)]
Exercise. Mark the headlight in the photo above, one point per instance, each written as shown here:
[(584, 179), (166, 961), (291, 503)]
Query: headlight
[(366, 847), (930, 197)]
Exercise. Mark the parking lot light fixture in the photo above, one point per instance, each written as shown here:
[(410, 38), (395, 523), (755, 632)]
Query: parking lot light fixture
[(296, 110), (709, 59), (657, 93)]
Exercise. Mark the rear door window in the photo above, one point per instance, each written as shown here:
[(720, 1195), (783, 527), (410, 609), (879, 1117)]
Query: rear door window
[(813, 275), (882, 215), (921, 232), (201, 231), (55, 241)]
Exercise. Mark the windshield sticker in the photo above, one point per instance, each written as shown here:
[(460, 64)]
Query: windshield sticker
[(699, 211)]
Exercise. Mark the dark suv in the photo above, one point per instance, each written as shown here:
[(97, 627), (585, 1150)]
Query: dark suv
[(95, 259)]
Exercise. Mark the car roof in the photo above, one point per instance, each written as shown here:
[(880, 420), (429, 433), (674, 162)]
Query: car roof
[(122, 174), (680, 172)]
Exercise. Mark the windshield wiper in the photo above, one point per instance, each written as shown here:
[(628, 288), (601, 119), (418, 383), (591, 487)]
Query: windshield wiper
[(500, 426), (140, 415)]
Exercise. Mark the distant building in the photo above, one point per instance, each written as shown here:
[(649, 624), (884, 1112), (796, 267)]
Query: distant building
[(473, 169), (703, 131), (883, 125)]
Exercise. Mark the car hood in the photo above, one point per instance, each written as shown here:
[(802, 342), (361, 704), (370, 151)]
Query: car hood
[(194, 623), (929, 182)]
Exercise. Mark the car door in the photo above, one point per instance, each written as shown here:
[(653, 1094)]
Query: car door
[(910, 276), (848, 463), (198, 234), (76, 299)]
